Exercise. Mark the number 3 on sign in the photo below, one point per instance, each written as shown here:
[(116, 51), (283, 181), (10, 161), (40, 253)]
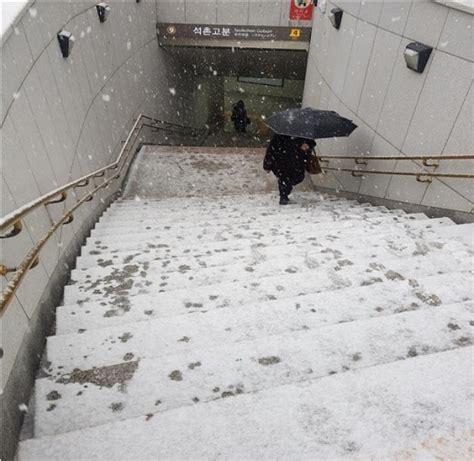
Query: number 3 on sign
[(295, 33)]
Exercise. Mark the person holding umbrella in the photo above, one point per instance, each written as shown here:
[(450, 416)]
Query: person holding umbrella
[(287, 157), (288, 154)]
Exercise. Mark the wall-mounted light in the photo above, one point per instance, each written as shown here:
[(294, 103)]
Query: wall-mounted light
[(66, 42), (103, 11), (417, 55), (335, 16)]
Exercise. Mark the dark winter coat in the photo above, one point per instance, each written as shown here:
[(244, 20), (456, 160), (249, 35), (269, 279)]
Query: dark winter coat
[(285, 159), (239, 116)]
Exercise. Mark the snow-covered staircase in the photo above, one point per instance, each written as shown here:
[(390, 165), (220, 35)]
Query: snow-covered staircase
[(228, 327)]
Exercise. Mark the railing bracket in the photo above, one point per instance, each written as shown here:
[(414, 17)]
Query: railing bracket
[(4, 270), (61, 198), (429, 162), (82, 184), (17, 228), (69, 220), (426, 179), (356, 174), (360, 161)]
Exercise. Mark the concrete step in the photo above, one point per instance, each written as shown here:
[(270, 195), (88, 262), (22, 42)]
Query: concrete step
[(329, 249), (179, 219), (161, 336), (387, 411), (85, 398), (249, 264), (221, 233), (461, 232), (134, 303), (144, 251), (136, 278), (185, 224), (228, 199)]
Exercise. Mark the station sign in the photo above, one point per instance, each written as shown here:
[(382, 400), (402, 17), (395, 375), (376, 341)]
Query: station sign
[(172, 34)]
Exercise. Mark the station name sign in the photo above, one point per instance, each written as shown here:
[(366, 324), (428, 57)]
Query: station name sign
[(171, 34)]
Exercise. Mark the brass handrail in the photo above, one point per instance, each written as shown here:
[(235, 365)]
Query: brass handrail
[(359, 173), (399, 157), (14, 219)]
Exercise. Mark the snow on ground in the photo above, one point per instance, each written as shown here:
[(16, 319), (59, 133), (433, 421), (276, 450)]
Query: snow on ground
[(373, 413), (215, 324)]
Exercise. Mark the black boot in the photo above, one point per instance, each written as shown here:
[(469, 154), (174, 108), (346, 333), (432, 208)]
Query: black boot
[(284, 188)]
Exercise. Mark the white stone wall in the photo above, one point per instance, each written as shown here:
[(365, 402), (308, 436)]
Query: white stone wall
[(64, 118), (359, 71), (236, 12)]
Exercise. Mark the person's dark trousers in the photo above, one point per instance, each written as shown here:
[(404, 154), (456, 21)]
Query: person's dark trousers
[(285, 187)]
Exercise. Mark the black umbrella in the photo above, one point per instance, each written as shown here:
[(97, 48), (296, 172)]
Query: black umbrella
[(310, 123)]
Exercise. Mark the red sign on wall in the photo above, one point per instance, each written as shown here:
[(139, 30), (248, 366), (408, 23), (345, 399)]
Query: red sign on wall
[(301, 10)]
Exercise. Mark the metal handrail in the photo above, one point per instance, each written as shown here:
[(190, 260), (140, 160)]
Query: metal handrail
[(400, 157), (14, 219), (419, 175)]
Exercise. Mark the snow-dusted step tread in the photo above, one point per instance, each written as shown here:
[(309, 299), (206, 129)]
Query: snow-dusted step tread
[(135, 277), (355, 236), (225, 233), (164, 335), (390, 411), (132, 388), (191, 228), (184, 220), (134, 303), (319, 250)]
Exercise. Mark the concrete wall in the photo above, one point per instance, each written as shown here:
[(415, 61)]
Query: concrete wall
[(236, 12), (359, 71), (61, 119)]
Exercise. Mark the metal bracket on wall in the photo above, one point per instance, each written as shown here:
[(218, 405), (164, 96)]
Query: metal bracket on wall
[(419, 178), (429, 162), (17, 228), (61, 198)]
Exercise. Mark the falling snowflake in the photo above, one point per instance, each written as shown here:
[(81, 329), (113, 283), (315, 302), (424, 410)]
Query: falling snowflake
[(106, 97), (22, 407), (33, 12), (173, 91), (129, 45)]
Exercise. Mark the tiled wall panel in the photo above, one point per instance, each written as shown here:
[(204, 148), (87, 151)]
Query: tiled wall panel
[(399, 111)]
